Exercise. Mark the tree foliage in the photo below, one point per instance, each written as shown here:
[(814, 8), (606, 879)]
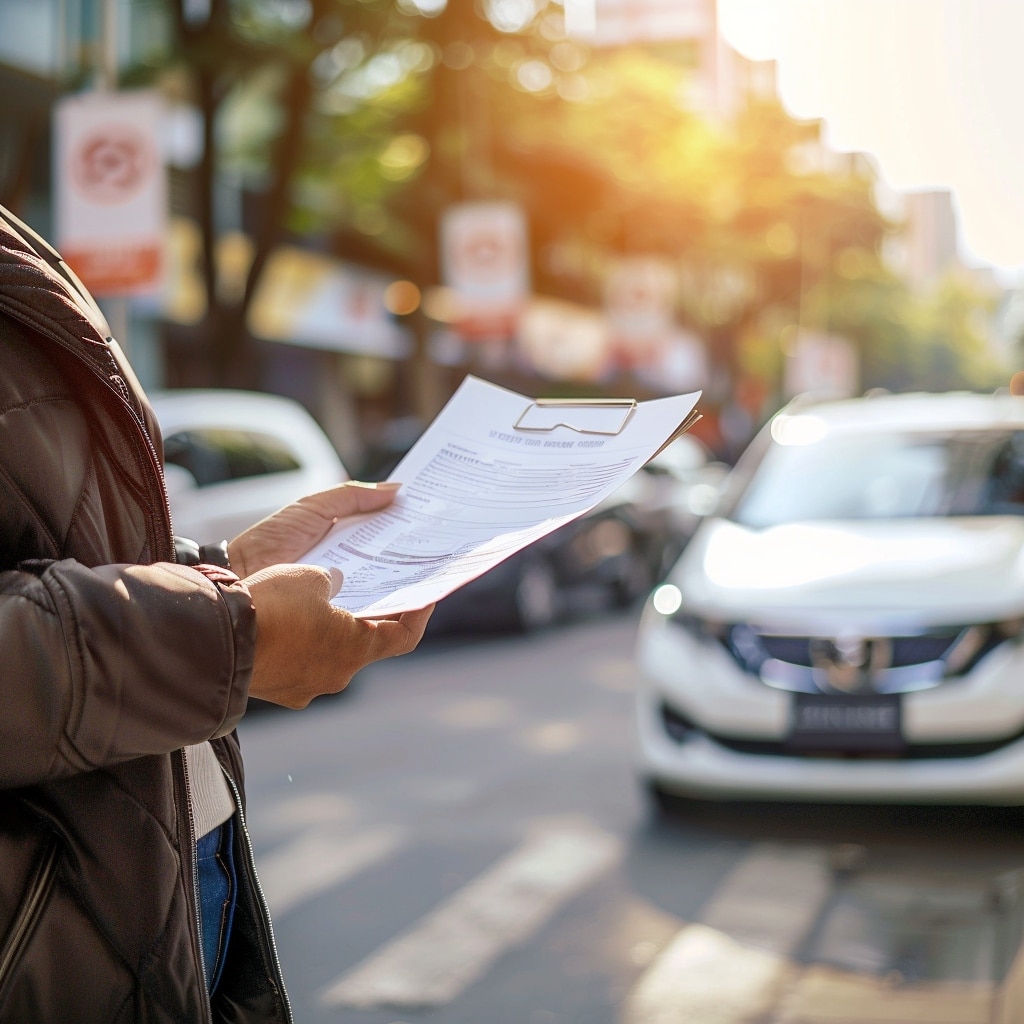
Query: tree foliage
[(354, 123)]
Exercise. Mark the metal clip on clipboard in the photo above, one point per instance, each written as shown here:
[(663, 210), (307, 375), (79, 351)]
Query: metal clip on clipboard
[(605, 416)]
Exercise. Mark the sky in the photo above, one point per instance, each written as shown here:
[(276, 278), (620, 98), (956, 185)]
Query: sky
[(933, 89)]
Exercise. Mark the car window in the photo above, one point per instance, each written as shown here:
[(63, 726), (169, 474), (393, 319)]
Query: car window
[(886, 476), (215, 455), (1003, 488)]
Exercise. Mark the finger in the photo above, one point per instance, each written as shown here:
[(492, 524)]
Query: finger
[(417, 621), (323, 581), (298, 576), (413, 618), (350, 498), (392, 637), (399, 616), (337, 578)]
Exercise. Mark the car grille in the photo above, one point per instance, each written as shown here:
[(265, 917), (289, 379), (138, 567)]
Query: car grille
[(906, 650), (679, 728), (893, 664)]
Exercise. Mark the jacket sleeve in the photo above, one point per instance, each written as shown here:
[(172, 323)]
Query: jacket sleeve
[(101, 665)]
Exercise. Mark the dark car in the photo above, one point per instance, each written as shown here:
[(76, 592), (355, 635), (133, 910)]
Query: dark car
[(610, 557)]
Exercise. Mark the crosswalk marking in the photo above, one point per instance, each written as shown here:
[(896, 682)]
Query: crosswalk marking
[(706, 977), (735, 964), (319, 860), (772, 898), (553, 737), (456, 943), (732, 965), (477, 713)]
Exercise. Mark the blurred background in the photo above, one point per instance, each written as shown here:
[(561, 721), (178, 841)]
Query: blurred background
[(355, 202), (337, 209)]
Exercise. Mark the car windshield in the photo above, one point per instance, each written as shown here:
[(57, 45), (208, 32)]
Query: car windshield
[(886, 476)]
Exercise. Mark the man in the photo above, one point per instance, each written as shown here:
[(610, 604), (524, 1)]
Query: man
[(127, 886)]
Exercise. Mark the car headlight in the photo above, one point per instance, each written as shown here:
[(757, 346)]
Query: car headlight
[(667, 601)]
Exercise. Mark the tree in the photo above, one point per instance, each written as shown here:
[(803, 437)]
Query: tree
[(758, 241), (364, 119), (288, 64)]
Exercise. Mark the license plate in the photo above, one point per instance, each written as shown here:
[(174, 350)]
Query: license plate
[(856, 724)]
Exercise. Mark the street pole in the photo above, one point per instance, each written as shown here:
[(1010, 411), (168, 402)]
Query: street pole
[(116, 306)]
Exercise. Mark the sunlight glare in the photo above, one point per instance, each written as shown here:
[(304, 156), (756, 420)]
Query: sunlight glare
[(798, 430)]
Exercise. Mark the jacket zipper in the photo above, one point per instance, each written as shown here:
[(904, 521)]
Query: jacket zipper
[(250, 864), (197, 913), (38, 891), (115, 383), (268, 928), (123, 392), (115, 386)]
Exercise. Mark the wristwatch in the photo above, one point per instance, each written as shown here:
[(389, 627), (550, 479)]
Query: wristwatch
[(188, 552)]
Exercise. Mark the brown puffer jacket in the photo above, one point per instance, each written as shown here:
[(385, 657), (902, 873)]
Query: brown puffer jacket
[(113, 659)]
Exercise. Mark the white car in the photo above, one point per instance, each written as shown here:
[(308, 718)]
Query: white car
[(234, 457), (847, 624)]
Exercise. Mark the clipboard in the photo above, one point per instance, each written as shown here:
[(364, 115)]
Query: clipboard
[(607, 416), (584, 415), (680, 430), (482, 484)]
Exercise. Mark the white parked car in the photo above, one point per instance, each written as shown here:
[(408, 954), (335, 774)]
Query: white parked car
[(234, 457), (847, 624)]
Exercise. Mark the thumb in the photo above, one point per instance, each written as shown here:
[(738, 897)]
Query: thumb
[(337, 578), (295, 578)]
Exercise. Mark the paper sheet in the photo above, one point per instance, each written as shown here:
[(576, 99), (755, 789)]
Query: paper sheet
[(493, 473)]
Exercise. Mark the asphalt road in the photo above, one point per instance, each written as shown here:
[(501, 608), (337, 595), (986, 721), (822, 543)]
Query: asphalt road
[(459, 839)]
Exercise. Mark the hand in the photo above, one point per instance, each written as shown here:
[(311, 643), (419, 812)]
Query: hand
[(305, 646), (290, 533)]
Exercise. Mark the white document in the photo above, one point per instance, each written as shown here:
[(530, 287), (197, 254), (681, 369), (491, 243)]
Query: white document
[(494, 472)]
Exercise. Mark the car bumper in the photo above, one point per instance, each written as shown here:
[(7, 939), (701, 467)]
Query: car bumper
[(706, 687), (702, 768)]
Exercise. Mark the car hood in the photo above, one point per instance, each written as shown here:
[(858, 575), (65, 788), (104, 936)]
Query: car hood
[(851, 574)]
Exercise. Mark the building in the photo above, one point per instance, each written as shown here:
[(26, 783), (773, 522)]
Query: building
[(928, 245)]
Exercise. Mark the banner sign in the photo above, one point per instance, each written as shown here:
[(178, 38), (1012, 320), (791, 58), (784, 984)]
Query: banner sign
[(485, 265), (308, 299), (111, 190), (821, 364), (640, 295), (563, 341)]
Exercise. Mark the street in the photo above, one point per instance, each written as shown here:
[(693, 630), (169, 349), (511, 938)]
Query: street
[(460, 838)]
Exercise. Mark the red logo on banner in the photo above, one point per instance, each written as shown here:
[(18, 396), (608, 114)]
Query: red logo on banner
[(111, 164), (110, 189)]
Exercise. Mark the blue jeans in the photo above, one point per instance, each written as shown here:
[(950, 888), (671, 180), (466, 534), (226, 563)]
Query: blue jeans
[(218, 888)]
